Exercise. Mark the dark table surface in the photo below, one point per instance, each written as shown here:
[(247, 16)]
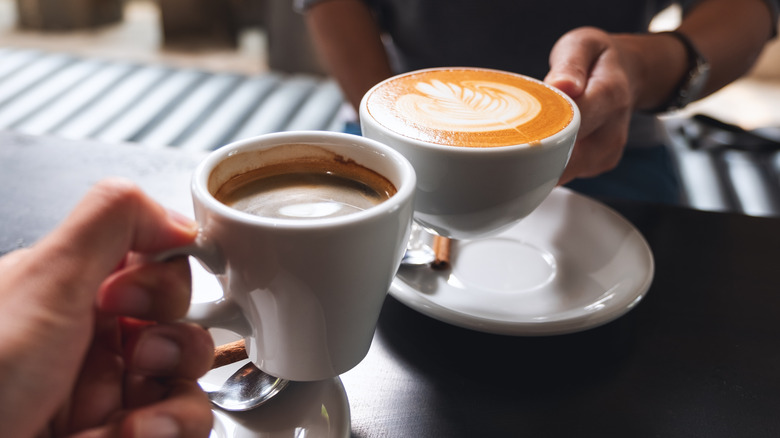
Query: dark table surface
[(700, 355)]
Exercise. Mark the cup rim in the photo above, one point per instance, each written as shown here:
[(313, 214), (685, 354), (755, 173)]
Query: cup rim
[(405, 185), (552, 141)]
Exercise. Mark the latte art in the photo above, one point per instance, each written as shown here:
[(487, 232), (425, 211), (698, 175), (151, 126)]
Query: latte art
[(471, 106)]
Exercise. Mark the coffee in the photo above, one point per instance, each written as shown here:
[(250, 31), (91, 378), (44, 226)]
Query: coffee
[(469, 107), (306, 189)]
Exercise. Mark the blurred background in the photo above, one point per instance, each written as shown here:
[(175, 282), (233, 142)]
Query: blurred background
[(198, 74)]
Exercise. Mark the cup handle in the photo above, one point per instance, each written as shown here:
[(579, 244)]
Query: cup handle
[(223, 312)]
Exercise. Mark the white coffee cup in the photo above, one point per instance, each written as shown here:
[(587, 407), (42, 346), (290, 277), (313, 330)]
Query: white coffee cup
[(304, 293), (470, 192)]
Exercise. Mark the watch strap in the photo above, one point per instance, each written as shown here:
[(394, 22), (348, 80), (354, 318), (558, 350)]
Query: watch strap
[(692, 83)]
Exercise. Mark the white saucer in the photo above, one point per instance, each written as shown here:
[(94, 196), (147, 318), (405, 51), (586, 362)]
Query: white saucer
[(303, 409), (571, 265)]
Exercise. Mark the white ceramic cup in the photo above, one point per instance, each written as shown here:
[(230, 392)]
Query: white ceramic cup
[(304, 294), (472, 192)]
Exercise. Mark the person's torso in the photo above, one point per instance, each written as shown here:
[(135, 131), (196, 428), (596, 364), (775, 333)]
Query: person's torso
[(512, 35)]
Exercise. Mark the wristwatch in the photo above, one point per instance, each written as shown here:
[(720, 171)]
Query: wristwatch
[(693, 82)]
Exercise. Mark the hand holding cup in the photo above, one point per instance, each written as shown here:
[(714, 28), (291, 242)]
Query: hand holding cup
[(487, 146)]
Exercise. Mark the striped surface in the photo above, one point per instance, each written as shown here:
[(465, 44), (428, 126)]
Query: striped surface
[(158, 106)]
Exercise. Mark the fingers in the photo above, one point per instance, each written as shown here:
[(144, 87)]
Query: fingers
[(169, 350), (98, 391), (113, 218), (128, 218), (600, 143), (606, 113), (153, 291), (594, 155), (572, 59), (163, 361), (186, 412), (155, 359), (588, 64)]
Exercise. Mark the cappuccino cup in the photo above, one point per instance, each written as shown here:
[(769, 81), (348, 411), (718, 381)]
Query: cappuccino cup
[(305, 232), (488, 146)]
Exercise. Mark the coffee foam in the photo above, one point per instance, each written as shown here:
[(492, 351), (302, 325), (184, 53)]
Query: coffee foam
[(469, 107)]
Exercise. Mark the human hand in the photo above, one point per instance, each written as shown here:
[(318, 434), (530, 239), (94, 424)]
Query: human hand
[(612, 75), (88, 342), (595, 69)]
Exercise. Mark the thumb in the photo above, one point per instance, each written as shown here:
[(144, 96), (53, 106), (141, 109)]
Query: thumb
[(572, 58), (115, 217)]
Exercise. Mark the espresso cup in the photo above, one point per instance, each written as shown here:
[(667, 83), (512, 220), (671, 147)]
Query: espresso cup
[(488, 146), (306, 268)]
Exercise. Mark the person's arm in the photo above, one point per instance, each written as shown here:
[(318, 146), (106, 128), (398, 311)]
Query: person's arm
[(729, 33), (349, 43), (612, 75)]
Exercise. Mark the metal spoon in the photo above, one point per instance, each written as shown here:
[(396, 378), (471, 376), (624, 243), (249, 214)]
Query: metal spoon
[(246, 389), (418, 252), (421, 256)]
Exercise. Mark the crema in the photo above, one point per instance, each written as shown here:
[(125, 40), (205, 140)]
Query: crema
[(306, 189), (469, 107)]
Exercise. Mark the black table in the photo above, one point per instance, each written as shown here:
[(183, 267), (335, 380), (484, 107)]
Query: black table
[(700, 356)]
